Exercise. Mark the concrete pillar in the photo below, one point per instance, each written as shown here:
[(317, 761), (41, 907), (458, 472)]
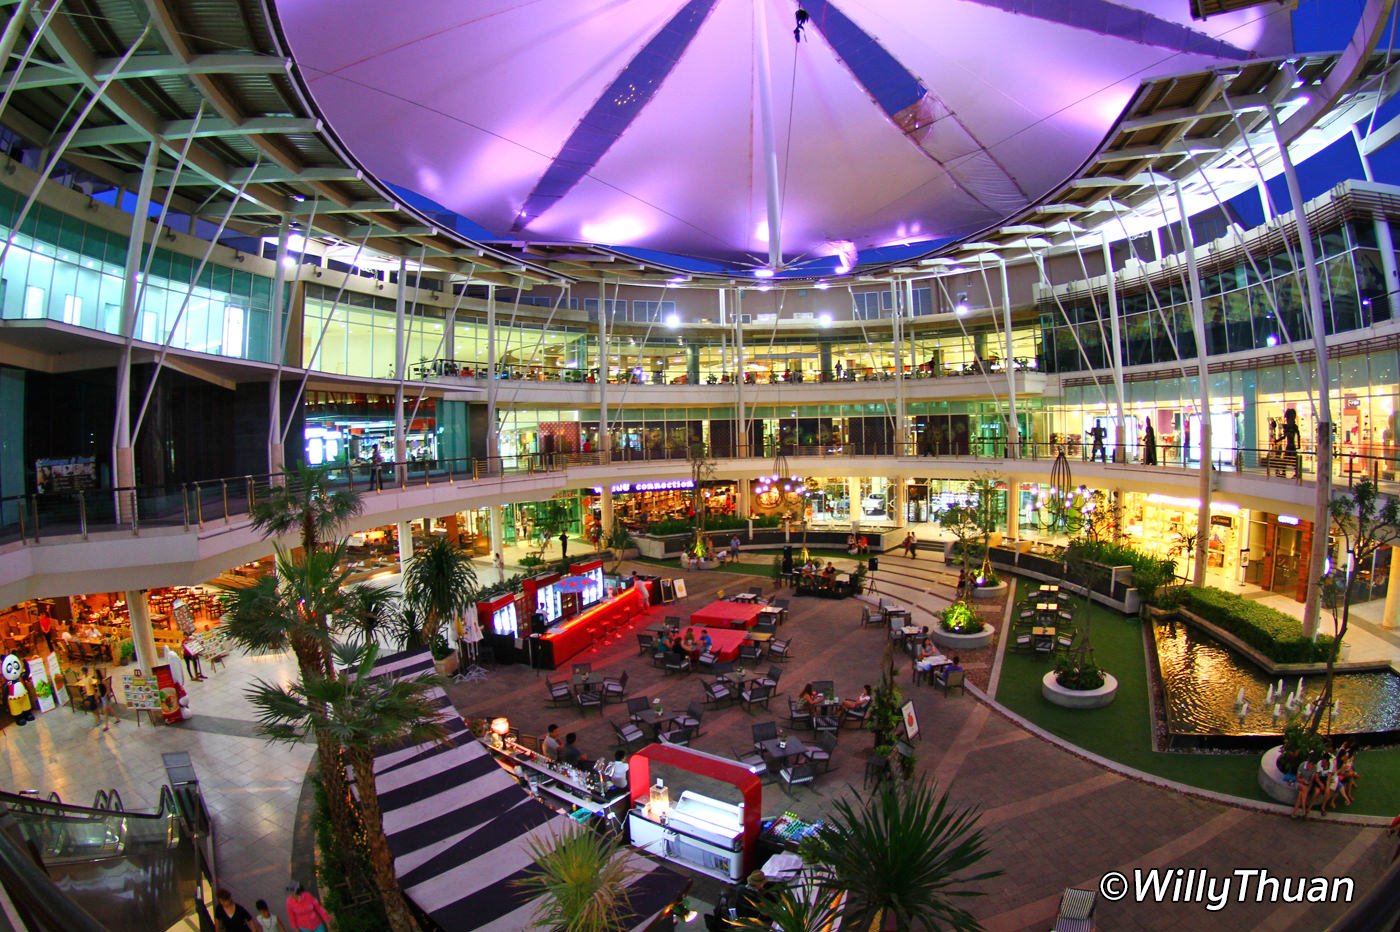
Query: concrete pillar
[(1392, 279), (405, 544), (140, 611), (898, 501), (607, 515), (1391, 617), (743, 507), (1013, 515), (854, 497), (498, 536)]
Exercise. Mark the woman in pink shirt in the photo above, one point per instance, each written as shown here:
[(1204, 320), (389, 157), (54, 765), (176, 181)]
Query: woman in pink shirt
[(305, 913)]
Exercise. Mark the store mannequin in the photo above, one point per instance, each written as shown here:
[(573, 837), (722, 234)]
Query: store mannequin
[(16, 691)]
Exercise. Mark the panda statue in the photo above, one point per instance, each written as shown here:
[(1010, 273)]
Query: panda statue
[(16, 692)]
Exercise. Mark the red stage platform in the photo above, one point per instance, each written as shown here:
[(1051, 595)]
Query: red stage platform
[(727, 615)]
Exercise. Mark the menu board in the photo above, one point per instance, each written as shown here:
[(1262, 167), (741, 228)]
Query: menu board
[(142, 693), (183, 615), (60, 687)]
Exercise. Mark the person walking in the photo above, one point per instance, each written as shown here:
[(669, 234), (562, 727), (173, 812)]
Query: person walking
[(106, 700), (231, 917), (304, 912), (262, 915), (563, 545), (734, 544), (376, 469), (500, 564)]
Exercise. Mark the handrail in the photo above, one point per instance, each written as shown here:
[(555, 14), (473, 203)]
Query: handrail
[(1378, 909), (41, 904), (196, 504)]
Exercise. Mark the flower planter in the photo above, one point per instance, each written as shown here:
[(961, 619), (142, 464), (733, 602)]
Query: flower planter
[(989, 592), (626, 553), (698, 564), (448, 665), (1271, 779), (960, 642), (1078, 698)]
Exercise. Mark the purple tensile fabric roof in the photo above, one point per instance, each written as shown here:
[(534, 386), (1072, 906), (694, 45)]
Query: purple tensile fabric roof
[(636, 123)]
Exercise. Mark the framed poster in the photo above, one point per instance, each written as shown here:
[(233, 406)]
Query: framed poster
[(668, 590), (183, 615), (43, 689), (911, 720), (679, 587)]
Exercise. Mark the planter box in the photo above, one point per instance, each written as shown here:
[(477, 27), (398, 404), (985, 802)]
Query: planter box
[(1271, 779), (959, 642), (448, 665), (1078, 698), (989, 592)]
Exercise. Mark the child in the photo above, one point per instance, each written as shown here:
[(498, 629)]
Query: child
[(265, 920)]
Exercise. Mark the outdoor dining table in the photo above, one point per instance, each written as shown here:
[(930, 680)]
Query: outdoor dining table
[(655, 719), (586, 682), (738, 679), (898, 615), (745, 598), (781, 749), (1044, 636)]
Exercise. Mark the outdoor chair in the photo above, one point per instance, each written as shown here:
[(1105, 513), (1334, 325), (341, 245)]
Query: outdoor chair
[(559, 692), (658, 658), (675, 663), (750, 654), (857, 715), (783, 605), (628, 734), (706, 661), (754, 761), (952, 679), (876, 770), (1064, 640), (615, 687), (799, 716), (821, 754), (691, 718), (1076, 911), (589, 699), (766, 626), (778, 649), (761, 732), (774, 674), (904, 752), (796, 775), (645, 642), (636, 706), (1022, 643), (864, 616), (715, 692), (678, 736), (756, 695), (826, 724), (756, 591)]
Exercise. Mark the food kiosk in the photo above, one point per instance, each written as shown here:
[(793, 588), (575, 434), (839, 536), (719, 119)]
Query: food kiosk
[(714, 837)]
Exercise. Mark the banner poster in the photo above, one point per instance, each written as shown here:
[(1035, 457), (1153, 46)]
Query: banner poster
[(60, 685), (169, 694), (39, 680), (184, 616)]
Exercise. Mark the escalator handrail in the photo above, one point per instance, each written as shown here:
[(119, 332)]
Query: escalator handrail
[(35, 804), (43, 906), (1376, 909)]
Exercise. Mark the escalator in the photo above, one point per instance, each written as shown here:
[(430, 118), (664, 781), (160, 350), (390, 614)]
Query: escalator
[(130, 871)]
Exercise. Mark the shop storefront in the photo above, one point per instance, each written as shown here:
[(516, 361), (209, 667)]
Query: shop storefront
[(344, 428), (639, 505)]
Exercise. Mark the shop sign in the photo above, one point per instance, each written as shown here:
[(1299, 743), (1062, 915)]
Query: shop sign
[(657, 485)]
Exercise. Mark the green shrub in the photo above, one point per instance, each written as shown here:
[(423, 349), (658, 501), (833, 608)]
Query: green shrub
[(669, 526), (1079, 671), (127, 650), (1149, 573), (960, 618), (1277, 635), (1299, 744)]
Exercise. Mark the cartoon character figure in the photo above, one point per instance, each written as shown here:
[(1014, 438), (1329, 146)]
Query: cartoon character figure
[(16, 693)]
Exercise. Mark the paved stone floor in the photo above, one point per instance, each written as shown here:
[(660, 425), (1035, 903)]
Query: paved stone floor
[(250, 786), (1052, 819)]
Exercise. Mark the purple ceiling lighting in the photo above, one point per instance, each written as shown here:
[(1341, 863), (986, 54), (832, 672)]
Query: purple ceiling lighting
[(636, 123), (615, 110)]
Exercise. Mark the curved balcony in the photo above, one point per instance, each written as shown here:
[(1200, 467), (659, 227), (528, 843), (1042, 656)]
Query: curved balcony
[(151, 537)]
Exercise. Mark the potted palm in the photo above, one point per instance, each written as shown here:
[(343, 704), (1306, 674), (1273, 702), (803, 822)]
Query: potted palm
[(580, 882), (960, 628), (439, 585), (902, 856)]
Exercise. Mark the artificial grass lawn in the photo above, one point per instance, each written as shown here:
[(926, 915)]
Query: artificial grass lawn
[(763, 568), (1123, 731)]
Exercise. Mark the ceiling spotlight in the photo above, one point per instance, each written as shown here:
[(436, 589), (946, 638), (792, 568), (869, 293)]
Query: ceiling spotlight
[(822, 286), (673, 320), (763, 273), (961, 307), (824, 319)]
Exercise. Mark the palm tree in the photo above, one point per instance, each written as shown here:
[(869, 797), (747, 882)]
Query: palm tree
[(902, 855), (439, 584), (812, 909), (308, 505), (295, 609), (580, 880), (364, 713)]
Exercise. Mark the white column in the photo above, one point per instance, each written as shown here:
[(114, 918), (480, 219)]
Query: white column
[(1120, 450), (898, 498), (1013, 513), (854, 497), (140, 612), (899, 306), (606, 509), (405, 544), (1322, 516), (1390, 618), (1392, 278), (276, 454), (493, 438), (497, 527), (123, 460), (604, 434), (741, 442), (1198, 327), (1013, 432), (400, 372)]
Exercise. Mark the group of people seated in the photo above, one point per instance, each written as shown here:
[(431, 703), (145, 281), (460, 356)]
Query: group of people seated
[(815, 701), (814, 568), (857, 544), (688, 645), (1323, 779)]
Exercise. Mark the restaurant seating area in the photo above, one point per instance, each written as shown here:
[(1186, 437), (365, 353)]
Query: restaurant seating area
[(1043, 621)]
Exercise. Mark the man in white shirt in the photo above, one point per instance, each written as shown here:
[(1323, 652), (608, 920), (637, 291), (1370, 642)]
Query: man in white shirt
[(552, 745)]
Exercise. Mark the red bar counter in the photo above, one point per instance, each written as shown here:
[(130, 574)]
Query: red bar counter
[(576, 635)]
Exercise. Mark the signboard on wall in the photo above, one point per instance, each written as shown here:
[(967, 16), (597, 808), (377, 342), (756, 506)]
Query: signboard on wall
[(65, 474)]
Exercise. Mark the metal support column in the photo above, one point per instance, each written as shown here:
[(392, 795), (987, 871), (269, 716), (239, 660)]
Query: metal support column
[(276, 462), (898, 305), (604, 434), (1013, 433), (1198, 328), (1322, 517), (1120, 448), (741, 440), (123, 461), (493, 438), (400, 365)]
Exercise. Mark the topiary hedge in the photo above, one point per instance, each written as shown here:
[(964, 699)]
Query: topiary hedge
[(1279, 636), (1149, 573)]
